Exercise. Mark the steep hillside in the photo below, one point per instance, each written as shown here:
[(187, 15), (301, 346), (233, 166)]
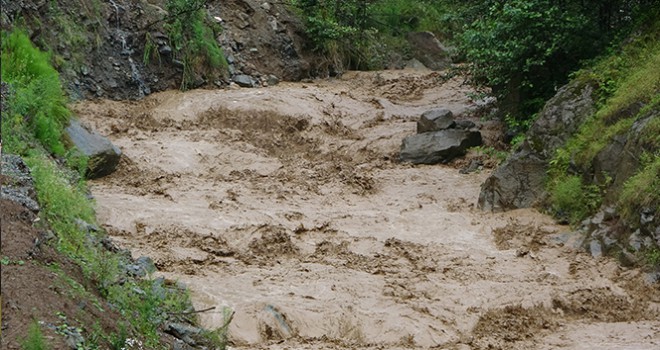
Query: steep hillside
[(126, 49), (594, 154)]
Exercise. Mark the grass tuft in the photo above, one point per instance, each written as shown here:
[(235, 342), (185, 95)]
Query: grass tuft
[(34, 339)]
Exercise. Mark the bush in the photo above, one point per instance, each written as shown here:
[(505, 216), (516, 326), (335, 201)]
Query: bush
[(574, 201), (193, 40)]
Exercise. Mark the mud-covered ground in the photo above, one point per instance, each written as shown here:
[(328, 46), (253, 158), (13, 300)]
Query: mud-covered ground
[(288, 206)]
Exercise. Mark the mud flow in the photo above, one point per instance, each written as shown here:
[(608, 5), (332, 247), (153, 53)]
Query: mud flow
[(287, 205)]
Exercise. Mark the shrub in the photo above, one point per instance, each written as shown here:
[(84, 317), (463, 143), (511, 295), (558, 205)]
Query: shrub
[(193, 40), (574, 201)]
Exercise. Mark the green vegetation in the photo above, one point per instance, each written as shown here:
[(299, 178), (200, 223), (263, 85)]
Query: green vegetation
[(6, 261), (625, 79), (491, 152), (358, 34), (523, 50), (652, 257), (37, 112), (37, 105), (574, 200), (192, 36), (641, 190), (35, 339)]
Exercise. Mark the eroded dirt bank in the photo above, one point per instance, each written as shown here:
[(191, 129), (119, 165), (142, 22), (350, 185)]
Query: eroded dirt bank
[(286, 205)]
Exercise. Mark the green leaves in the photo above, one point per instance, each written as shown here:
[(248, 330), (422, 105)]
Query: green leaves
[(525, 49)]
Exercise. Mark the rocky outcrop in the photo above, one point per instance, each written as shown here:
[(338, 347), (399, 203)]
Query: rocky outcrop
[(519, 181), (103, 155), (429, 50)]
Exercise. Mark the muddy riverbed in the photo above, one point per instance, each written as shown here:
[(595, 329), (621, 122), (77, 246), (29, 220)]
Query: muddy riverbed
[(287, 206)]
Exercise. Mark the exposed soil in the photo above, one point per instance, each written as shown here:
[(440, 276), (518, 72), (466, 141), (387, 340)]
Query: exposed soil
[(39, 285), (98, 46), (288, 205)]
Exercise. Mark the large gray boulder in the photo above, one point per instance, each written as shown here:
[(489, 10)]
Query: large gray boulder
[(102, 154), (435, 120), (517, 183), (438, 146), (244, 80), (520, 181), (429, 50)]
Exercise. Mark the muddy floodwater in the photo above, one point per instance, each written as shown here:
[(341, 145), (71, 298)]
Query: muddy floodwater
[(287, 205)]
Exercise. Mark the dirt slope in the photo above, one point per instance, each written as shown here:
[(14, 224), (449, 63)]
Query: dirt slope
[(287, 205)]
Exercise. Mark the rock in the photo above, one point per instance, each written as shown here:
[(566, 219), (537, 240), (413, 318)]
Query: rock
[(439, 146), (610, 213), (183, 331), (517, 183), (520, 181), (178, 63), (465, 124), (635, 241), (597, 219), (266, 6), (72, 337), (243, 20), (272, 80), (647, 216), (435, 120), (20, 187), (141, 267), (561, 117), (652, 277), (244, 80), (103, 155), (165, 50), (428, 50), (474, 166), (595, 249), (271, 318), (415, 64)]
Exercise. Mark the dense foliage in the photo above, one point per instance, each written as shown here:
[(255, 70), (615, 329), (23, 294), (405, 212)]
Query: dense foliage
[(522, 49), (526, 49)]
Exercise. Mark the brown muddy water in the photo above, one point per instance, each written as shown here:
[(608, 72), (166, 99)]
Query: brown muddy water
[(287, 205)]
